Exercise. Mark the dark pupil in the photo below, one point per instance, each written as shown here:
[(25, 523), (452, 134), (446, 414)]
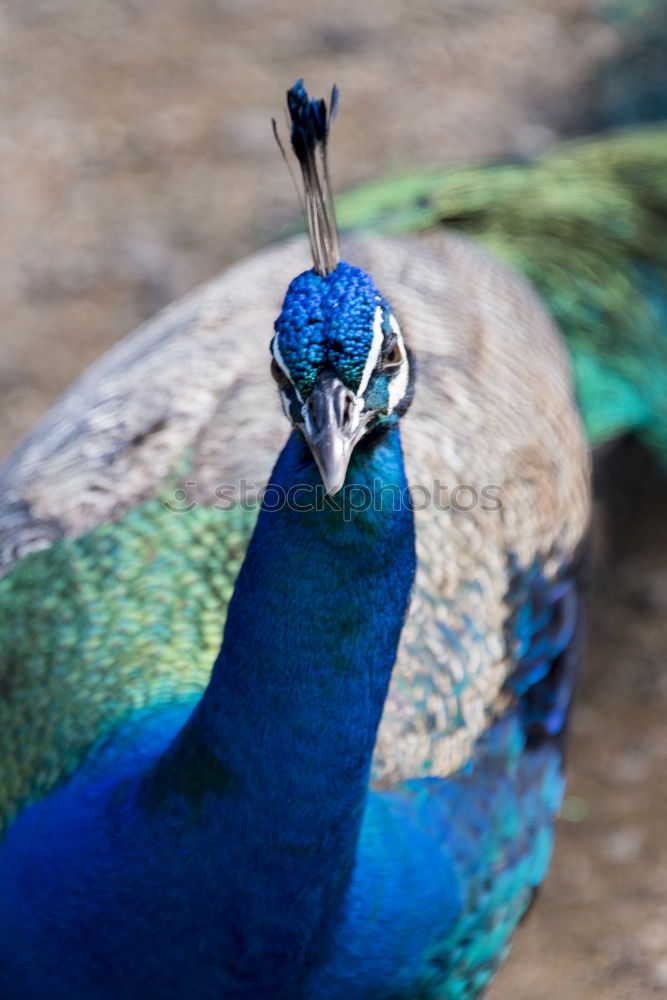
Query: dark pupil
[(278, 374), (394, 356)]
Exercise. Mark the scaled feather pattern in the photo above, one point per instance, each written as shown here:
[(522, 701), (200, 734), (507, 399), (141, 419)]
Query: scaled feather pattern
[(353, 793)]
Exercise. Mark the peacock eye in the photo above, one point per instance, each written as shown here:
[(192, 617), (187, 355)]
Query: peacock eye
[(279, 375), (393, 359)]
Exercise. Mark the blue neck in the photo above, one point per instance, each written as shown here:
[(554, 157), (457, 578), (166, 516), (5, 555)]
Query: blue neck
[(277, 755)]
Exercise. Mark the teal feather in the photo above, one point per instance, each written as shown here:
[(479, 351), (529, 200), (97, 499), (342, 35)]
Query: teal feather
[(585, 224)]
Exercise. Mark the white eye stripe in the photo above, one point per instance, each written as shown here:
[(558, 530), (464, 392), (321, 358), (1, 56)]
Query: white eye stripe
[(398, 384), (278, 358), (398, 387), (393, 323), (285, 402), (374, 352)]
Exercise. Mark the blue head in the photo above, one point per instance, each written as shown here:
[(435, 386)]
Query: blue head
[(340, 363), (338, 354)]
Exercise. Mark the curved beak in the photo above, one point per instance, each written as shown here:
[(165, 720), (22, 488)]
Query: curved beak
[(333, 424)]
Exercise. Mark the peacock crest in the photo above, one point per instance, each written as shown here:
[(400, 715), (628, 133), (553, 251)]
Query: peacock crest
[(310, 121)]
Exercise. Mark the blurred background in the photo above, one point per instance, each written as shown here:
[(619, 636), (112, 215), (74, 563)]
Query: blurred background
[(136, 160)]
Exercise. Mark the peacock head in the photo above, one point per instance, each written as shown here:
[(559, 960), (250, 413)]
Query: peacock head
[(338, 354), (340, 363)]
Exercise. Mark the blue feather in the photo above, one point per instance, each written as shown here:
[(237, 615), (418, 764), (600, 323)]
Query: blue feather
[(227, 846)]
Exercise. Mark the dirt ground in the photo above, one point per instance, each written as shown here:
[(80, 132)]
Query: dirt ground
[(136, 160)]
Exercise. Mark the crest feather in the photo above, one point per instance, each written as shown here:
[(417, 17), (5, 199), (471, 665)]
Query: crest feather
[(310, 123)]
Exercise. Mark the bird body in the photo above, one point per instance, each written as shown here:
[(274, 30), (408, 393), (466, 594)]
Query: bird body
[(353, 795), (121, 871)]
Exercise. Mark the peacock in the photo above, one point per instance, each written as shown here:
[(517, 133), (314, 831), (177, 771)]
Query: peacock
[(353, 794)]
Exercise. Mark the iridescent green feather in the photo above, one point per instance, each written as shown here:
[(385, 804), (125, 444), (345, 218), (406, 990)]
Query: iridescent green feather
[(137, 607), (586, 224)]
